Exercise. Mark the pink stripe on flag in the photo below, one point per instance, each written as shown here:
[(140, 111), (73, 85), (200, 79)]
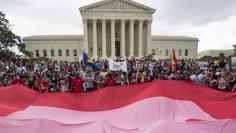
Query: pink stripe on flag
[(150, 115)]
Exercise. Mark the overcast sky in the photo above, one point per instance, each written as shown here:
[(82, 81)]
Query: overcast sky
[(212, 21)]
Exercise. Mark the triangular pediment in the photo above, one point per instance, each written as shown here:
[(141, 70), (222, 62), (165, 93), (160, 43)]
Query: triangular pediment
[(117, 5)]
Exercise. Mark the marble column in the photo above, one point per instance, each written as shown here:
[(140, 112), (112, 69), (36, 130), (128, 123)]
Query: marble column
[(95, 47), (104, 39), (86, 48), (113, 55), (131, 48), (140, 42), (123, 37), (149, 31)]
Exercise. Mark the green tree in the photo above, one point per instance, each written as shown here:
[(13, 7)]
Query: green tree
[(206, 58), (222, 55), (8, 39)]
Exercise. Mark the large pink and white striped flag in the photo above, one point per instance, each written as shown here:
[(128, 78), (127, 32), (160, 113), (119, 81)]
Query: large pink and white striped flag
[(157, 107)]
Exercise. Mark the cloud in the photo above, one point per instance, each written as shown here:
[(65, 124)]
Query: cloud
[(13, 3), (31, 17), (197, 12), (213, 22)]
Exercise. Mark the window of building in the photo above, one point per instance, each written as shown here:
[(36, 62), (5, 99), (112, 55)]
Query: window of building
[(158, 51), (52, 53), (180, 52), (37, 53), (45, 53), (75, 52), (167, 52), (186, 52), (153, 51), (67, 52), (59, 52)]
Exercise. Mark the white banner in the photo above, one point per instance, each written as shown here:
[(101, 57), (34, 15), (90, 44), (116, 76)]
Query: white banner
[(117, 66)]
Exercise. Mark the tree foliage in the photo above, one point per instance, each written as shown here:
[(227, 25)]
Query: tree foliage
[(207, 58), (222, 55), (8, 39)]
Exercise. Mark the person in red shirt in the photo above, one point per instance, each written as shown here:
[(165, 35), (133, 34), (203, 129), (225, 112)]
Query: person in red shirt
[(16, 81), (68, 68), (43, 85), (132, 61), (109, 81), (77, 84), (95, 83)]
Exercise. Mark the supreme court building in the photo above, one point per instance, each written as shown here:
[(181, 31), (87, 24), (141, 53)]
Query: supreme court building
[(113, 28)]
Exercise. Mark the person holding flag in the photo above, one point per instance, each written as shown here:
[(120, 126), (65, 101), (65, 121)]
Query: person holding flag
[(118, 66), (148, 56), (87, 61), (173, 60)]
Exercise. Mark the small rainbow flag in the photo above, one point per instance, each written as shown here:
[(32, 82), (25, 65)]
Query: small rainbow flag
[(173, 60)]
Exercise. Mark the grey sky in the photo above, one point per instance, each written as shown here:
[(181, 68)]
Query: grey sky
[(212, 21)]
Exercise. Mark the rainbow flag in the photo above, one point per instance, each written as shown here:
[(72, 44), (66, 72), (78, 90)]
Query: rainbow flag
[(173, 60), (183, 107)]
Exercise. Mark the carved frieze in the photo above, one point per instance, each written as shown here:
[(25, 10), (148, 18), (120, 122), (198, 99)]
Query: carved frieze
[(116, 15), (117, 5)]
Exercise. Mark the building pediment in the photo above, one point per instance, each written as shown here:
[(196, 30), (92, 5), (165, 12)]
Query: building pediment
[(117, 5)]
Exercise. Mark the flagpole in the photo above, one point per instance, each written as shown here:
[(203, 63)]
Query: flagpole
[(127, 71), (127, 78)]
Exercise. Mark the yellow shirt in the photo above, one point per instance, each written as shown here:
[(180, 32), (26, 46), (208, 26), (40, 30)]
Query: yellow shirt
[(216, 63), (103, 74)]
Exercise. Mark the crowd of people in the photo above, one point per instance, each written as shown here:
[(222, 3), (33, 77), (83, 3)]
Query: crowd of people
[(63, 76)]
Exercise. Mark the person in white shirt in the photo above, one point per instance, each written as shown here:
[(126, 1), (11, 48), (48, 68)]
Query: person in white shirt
[(194, 78), (201, 77)]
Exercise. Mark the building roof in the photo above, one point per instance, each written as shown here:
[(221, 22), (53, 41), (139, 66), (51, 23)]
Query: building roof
[(104, 4), (53, 37), (215, 52), (174, 38), (80, 37)]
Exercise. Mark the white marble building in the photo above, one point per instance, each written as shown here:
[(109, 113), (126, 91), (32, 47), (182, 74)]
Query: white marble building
[(113, 28)]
